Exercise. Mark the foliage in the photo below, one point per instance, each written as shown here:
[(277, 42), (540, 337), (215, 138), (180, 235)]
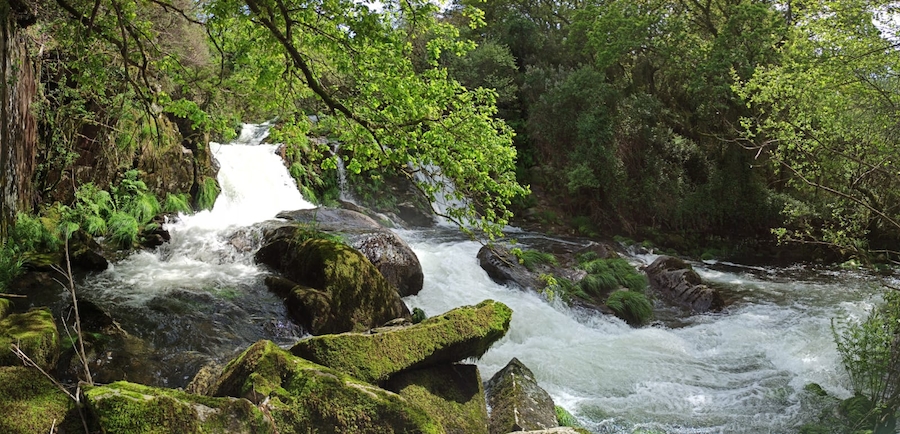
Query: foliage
[(207, 193), (123, 230), (418, 315), (632, 306), (869, 352), (531, 258), (177, 202), (564, 418), (607, 274)]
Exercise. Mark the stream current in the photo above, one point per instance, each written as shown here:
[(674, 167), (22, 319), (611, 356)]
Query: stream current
[(200, 298)]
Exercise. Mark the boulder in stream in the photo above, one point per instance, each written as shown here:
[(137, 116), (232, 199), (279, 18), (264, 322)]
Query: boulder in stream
[(386, 250), (502, 267), (36, 335), (300, 396), (352, 295), (124, 407), (375, 356), (678, 283), (517, 402), (452, 394)]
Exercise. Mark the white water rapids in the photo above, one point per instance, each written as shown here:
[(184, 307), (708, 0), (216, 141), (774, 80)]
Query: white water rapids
[(741, 371)]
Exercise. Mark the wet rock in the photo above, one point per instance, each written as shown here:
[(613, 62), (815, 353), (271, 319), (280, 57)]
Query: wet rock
[(124, 407), (35, 334), (456, 335), (517, 402), (386, 250), (31, 403), (504, 268), (205, 379), (157, 235), (356, 294), (679, 284), (557, 430), (300, 396), (452, 394), (85, 252)]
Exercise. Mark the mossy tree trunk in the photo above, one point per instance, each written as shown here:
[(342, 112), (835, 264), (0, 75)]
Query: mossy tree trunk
[(18, 127)]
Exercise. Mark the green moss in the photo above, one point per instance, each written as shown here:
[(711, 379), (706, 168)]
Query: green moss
[(604, 275), (452, 394), (631, 306), (124, 407), (458, 334), (30, 403), (302, 396), (418, 315), (207, 192), (564, 418), (5, 307), (36, 335)]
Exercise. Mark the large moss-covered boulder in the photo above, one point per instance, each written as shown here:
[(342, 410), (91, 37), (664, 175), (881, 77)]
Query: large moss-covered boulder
[(517, 402), (35, 334), (452, 394), (31, 403), (124, 407), (456, 335), (301, 396), (359, 298), (386, 250)]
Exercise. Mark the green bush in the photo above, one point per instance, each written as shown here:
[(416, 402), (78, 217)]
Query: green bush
[(177, 203), (631, 306), (531, 258), (123, 230), (564, 418), (869, 351), (611, 273)]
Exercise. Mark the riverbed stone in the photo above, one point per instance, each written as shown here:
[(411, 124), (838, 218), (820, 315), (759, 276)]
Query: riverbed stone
[(31, 403), (504, 268), (302, 396), (459, 334), (678, 283), (124, 407), (452, 393), (393, 257), (358, 296), (35, 334), (517, 402)]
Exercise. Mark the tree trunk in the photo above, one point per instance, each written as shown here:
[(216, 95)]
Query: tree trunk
[(18, 127)]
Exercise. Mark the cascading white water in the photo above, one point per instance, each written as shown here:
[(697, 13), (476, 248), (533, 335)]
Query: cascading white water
[(741, 371), (201, 292)]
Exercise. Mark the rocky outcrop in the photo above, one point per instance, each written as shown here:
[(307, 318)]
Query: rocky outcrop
[(504, 268), (123, 407), (341, 287), (31, 403), (388, 252), (300, 396), (456, 335), (452, 394), (675, 281), (35, 334), (517, 402)]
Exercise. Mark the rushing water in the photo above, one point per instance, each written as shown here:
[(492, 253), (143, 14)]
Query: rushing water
[(201, 298)]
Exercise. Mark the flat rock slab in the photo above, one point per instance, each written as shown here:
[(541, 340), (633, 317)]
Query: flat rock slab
[(453, 336)]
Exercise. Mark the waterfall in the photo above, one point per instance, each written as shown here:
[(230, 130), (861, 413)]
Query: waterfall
[(741, 371), (344, 190), (201, 293)]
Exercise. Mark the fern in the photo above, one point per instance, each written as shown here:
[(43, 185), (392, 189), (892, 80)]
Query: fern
[(177, 203), (143, 207), (632, 306), (123, 230), (207, 194)]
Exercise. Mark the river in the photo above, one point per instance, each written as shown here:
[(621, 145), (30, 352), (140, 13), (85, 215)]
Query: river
[(200, 298)]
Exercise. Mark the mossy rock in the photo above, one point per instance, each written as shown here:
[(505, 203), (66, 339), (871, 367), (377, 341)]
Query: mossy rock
[(36, 335), (5, 307), (124, 407), (517, 402), (301, 396), (30, 403), (456, 335), (360, 297), (452, 394)]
